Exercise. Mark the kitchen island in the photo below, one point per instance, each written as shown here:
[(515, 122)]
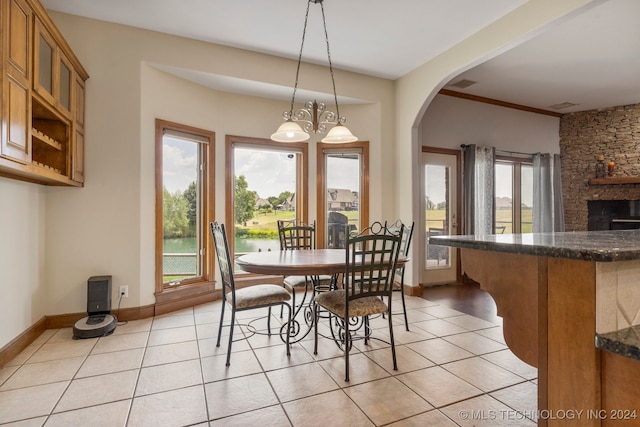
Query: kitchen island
[(561, 295)]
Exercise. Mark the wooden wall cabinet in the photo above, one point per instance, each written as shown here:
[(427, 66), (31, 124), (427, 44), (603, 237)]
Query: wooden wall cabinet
[(17, 19), (77, 141), (43, 99)]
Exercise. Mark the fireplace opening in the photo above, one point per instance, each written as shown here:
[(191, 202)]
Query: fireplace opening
[(613, 215)]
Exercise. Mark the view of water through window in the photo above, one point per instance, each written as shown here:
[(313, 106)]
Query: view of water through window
[(180, 158)]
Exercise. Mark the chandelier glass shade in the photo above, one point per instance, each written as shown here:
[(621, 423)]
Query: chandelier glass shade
[(290, 131), (313, 117)]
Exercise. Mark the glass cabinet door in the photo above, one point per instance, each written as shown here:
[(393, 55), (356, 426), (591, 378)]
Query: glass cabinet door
[(53, 72), (46, 48), (64, 83)]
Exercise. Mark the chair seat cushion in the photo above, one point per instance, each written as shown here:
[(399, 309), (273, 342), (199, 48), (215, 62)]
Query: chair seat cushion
[(334, 302), (258, 295), (295, 281)]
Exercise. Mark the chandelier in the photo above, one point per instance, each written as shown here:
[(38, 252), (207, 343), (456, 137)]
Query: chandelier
[(314, 116)]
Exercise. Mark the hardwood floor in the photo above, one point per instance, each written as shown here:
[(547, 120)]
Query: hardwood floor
[(467, 298)]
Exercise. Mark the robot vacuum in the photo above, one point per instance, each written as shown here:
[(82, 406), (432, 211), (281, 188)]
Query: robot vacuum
[(98, 325), (99, 322)]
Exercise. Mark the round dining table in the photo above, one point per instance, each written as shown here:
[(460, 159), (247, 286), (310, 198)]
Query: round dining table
[(311, 263), (294, 263), (299, 262)]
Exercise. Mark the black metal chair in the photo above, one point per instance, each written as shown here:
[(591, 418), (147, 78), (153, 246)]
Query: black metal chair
[(398, 283), (249, 298), (295, 235), (371, 261)]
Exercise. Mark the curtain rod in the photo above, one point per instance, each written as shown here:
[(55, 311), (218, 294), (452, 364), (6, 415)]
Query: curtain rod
[(506, 152), (517, 153)]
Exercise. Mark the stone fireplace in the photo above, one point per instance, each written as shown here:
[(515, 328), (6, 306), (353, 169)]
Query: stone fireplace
[(613, 215), (613, 133)]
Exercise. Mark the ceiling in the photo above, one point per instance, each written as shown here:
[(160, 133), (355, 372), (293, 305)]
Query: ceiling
[(591, 60)]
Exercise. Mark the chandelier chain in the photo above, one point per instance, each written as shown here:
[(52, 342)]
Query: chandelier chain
[(313, 117), (326, 37), (304, 33)]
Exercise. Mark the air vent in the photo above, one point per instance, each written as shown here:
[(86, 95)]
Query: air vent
[(463, 83), (562, 105)]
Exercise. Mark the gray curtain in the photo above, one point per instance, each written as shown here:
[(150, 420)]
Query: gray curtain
[(548, 213), (479, 189), (558, 205), (469, 185)]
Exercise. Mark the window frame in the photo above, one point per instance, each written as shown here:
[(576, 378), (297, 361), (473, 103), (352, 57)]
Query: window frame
[(516, 188), (302, 178), (321, 185), (194, 288)]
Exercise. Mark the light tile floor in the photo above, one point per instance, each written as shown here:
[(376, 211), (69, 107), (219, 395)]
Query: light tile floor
[(453, 369)]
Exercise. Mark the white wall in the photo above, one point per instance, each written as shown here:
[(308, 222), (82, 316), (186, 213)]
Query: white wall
[(449, 122), (22, 257)]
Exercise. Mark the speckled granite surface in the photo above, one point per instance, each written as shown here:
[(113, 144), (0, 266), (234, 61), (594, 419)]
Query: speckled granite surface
[(625, 342), (601, 246)]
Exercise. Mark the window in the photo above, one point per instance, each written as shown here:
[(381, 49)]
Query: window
[(266, 181), (184, 206), (514, 195), (343, 192)]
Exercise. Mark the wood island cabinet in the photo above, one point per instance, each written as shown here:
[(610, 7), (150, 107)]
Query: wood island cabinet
[(560, 295), (43, 98)]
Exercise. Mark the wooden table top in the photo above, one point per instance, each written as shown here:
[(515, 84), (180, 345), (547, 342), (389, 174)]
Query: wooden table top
[(297, 263), (294, 263)]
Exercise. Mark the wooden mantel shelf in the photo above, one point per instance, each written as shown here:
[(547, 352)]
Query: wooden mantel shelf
[(615, 180)]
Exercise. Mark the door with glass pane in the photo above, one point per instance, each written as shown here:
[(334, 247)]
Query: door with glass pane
[(514, 196), (440, 207)]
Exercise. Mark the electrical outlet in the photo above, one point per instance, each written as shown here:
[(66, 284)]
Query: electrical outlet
[(124, 291)]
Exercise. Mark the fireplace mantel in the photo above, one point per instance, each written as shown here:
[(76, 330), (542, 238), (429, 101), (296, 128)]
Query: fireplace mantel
[(615, 180)]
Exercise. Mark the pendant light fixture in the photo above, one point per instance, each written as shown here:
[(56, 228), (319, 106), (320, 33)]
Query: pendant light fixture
[(314, 116)]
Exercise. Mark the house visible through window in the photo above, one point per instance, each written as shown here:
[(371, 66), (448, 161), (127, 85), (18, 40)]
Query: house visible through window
[(342, 192), (266, 182)]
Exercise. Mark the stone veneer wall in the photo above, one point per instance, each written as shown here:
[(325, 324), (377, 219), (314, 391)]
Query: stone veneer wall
[(613, 132)]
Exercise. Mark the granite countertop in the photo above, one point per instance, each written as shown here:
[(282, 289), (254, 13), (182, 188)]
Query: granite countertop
[(625, 342), (601, 246)]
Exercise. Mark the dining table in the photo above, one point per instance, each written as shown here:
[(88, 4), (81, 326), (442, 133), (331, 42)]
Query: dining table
[(298, 262), (308, 262), (294, 262)]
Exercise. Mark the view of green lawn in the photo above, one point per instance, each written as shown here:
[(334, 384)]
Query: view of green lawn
[(265, 224), (436, 219)]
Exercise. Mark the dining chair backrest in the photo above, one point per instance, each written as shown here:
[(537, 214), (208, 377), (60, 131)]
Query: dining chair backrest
[(295, 235), (371, 259), (405, 243), (407, 234), (224, 260)]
